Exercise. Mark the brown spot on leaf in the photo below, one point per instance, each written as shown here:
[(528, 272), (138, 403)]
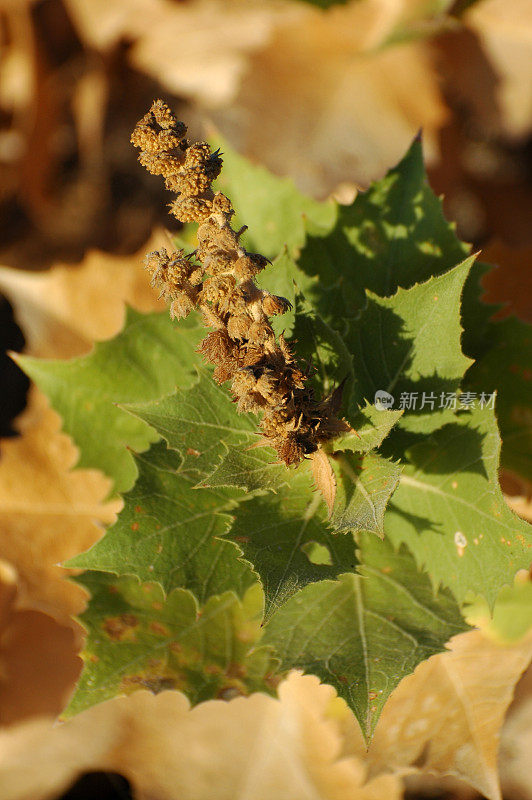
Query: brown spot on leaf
[(135, 526), (153, 683), (192, 452), (121, 627), (159, 629)]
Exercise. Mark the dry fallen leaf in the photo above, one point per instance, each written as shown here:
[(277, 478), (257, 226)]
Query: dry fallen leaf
[(511, 282), (255, 748), (447, 716), (357, 113), (48, 512), (213, 37), (38, 657), (64, 310), (244, 61), (504, 28), (516, 746)]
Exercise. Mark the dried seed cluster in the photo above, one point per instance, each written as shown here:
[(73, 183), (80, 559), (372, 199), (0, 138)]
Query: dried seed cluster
[(218, 279)]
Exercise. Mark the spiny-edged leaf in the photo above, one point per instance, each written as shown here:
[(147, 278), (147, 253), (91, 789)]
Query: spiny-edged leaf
[(147, 360), (370, 427), (280, 278), (288, 540), (450, 511), (254, 469), (200, 423), (393, 235), (169, 533), (288, 537), (409, 344), (216, 443), (319, 345), (140, 639), (272, 208), (506, 367), (363, 633), (365, 484)]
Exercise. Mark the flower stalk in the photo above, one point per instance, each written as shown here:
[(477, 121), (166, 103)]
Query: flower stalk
[(218, 279)]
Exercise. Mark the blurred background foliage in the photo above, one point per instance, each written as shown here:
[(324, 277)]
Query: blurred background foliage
[(328, 96)]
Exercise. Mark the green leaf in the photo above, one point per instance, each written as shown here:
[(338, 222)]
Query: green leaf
[(364, 633), (213, 439), (409, 345), (280, 278), (512, 615), (169, 533), (319, 345), (393, 235), (254, 469), (272, 208), (476, 314), (279, 534), (506, 367), (200, 422), (138, 639), (450, 511), (370, 427), (364, 487), (147, 360)]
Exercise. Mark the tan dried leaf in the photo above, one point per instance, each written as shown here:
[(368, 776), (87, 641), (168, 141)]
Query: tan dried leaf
[(48, 512), (255, 748), (357, 115), (214, 38), (504, 28), (446, 717), (38, 657), (64, 310), (373, 80), (323, 475)]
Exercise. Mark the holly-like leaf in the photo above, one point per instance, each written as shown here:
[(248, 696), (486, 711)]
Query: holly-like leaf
[(393, 235), (365, 485), (363, 633), (200, 422), (140, 639), (408, 346), (447, 717), (450, 511), (169, 533), (370, 426), (288, 540), (147, 360), (216, 443)]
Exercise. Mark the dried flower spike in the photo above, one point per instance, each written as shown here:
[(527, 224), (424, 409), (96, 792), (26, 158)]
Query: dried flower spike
[(265, 376)]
